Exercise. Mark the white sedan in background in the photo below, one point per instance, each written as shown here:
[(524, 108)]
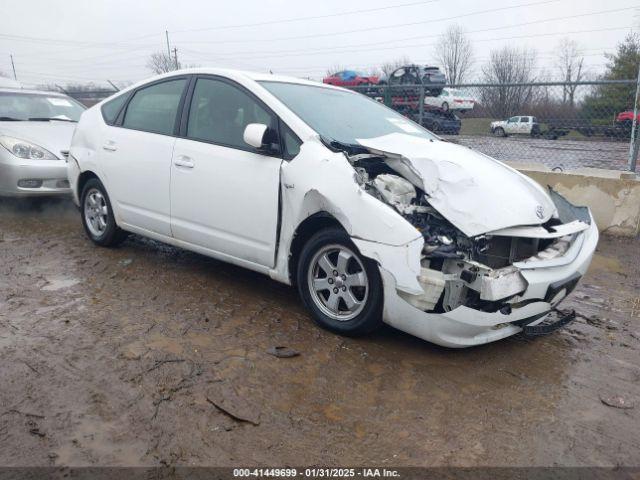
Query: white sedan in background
[(370, 215), (35, 134), (451, 99)]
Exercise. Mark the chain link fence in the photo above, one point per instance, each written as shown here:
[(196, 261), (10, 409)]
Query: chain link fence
[(90, 97), (565, 126)]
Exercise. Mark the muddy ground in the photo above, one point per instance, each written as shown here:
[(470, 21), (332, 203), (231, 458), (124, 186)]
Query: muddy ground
[(132, 356)]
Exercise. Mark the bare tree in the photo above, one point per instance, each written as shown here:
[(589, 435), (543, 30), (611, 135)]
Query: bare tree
[(162, 63), (510, 70), (570, 64), (387, 68), (454, 51)]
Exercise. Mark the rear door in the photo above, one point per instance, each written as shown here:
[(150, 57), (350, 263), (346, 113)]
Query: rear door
[(136, 155), (224, 193)]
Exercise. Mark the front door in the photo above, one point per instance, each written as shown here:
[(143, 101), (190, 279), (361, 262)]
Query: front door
[(224, 193), (512, 125)]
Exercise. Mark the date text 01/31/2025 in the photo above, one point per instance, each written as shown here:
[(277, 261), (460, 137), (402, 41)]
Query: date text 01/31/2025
[(316, 472)]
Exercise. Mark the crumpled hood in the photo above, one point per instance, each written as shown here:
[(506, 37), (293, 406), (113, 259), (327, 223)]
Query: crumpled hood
[(54, 136), (474, 192)]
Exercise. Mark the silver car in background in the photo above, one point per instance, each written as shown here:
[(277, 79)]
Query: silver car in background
[(35, 133)]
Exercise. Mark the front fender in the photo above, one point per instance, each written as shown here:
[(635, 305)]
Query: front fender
[(319, 180)]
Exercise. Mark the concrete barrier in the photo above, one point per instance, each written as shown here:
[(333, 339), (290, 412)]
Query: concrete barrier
[(612, 196)]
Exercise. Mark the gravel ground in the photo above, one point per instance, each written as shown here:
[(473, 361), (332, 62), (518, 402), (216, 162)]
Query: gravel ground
[(566, 154), (151, 355)]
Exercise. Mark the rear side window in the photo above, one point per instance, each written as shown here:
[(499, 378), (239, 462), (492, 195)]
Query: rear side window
[(154, 108), (524, 119), (220, 112), (111, 109)]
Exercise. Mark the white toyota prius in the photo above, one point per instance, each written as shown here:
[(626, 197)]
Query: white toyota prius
[(372, 217)]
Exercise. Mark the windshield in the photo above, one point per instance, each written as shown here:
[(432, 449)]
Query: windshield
[(341, 115), (34, 106)]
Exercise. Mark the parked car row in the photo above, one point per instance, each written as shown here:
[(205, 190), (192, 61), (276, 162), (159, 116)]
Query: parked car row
[(372, 217)]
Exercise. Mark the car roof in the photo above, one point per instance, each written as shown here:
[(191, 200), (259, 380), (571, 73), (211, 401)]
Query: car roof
[(31, 92), (237, 74)]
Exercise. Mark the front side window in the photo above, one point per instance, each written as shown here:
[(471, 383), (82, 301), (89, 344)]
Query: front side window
[(220, 112), (19, 106), (341, 115), (513, 119), (154, 108)]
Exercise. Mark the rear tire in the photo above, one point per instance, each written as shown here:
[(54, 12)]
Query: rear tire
[(341, 288), (97, 215)]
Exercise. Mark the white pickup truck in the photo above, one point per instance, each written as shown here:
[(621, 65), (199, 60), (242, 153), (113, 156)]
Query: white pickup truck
[(524, 125)]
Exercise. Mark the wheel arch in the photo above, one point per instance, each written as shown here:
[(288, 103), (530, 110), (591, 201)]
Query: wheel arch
[(83, 178), (304, 231)]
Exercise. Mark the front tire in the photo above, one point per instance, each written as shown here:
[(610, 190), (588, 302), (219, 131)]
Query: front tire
[(97, 215), (341, 288), (445, 107), (499, 132)]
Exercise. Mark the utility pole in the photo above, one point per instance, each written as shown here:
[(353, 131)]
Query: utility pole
[(13, 65), (175, 57), (166, 32)]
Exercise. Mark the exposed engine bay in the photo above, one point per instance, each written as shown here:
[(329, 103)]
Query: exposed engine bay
[(478, 271)]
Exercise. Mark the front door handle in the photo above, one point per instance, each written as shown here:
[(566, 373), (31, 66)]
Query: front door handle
[(110, 146), (184, 161)]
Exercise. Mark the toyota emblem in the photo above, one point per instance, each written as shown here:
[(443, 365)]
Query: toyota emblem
[(540, 212)]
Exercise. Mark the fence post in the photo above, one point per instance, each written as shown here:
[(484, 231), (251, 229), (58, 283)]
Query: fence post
[(421, 106), (387, 95), (633, 145)]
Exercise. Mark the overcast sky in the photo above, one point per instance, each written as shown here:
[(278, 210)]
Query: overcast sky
[(80, 40)]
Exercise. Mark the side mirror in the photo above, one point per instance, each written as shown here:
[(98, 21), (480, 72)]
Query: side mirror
[(255, 135)]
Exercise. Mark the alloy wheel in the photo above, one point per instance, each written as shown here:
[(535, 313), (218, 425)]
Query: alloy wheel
[(338, 282), (96, 212)]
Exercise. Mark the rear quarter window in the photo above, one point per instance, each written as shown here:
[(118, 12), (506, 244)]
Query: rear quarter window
[(111, 109)]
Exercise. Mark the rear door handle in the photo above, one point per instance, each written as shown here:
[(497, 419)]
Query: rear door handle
[(110, 146), (184, 162)]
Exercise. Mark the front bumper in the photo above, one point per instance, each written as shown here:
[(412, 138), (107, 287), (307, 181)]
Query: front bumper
[(47, 177), (464, 326)]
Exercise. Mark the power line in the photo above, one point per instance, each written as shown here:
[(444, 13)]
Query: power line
[(396, 47), (404, 39), (300, 19), (383, 27), (224, 27)]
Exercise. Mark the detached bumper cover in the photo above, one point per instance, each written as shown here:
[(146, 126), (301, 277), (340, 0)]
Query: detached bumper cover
[(464, 326)]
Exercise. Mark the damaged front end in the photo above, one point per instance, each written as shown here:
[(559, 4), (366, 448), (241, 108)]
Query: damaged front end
[(490, 272)]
